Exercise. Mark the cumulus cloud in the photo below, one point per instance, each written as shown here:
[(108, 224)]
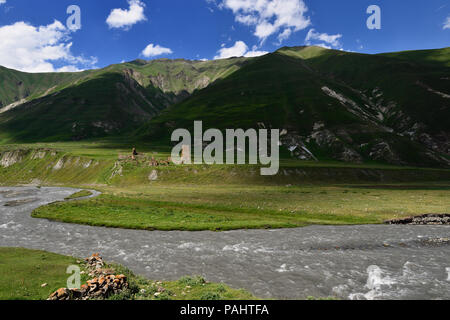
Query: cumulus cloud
[(2, 2), (155, 50), (239, 49), (35, 49), (326, 40), (255, 53), (447, 23), (68, 69), (216, 3), (269, 17), (125, 19), (284, 35)]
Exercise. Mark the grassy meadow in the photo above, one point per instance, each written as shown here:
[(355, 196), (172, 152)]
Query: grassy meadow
[(24, 272), (218, 208)]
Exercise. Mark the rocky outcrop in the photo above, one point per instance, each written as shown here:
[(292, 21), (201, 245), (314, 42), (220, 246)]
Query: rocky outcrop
[(294, 143), (117, 170), (59, 165), (12, 105), (39, 154), (102, 286), (340, 150), (426, 219), (10, 158), (153, 176), (382, 151)]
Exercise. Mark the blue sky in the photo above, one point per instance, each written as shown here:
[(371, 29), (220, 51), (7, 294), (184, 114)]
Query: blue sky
[(34, 36)]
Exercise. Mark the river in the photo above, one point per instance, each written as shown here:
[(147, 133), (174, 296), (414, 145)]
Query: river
[(347, 262)]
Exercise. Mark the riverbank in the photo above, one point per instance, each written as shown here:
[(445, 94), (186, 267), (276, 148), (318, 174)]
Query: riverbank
[(34, 275), (426, 219)]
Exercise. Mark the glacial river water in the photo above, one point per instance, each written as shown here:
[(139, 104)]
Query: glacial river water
[(348, 262)]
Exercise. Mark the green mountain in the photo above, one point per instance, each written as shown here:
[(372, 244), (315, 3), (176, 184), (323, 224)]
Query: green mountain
[(329, 104), (96, 103), (332, 104), (18, 87)]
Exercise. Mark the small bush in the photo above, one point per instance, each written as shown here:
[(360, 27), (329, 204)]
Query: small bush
[(210, 296), (192, 281), (221, 288)]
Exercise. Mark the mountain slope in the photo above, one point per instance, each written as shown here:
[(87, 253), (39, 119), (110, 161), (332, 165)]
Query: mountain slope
[(333, 104), (181, 76), (437, 57), (20, 87), (97, 103)]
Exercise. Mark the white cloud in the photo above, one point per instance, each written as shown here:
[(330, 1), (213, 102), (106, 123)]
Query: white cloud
[(122, 18), (329, 40), (323, 45), (68, 69), (35, 49), (447, 23), (270, 16), (284, 35), (252, 54), (152, 51), (2, 2), (217, 3), (239, 49)]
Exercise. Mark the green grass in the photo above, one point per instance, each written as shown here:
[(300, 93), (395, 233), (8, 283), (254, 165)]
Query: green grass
[(98, 149), (432, 57), (80, 194), (23, 271), (187, 288), (219, 208)]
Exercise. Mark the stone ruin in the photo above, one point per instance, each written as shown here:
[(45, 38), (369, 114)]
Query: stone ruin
[(151, 162)]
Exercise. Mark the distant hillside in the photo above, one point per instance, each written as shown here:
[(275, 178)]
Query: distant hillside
[(18, 86), (109, 101), (330, 104), (438, 57)]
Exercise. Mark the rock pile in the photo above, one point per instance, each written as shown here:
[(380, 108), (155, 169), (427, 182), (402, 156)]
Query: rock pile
[(102, 286), (158, 163), (146, 160), (426, 219)]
